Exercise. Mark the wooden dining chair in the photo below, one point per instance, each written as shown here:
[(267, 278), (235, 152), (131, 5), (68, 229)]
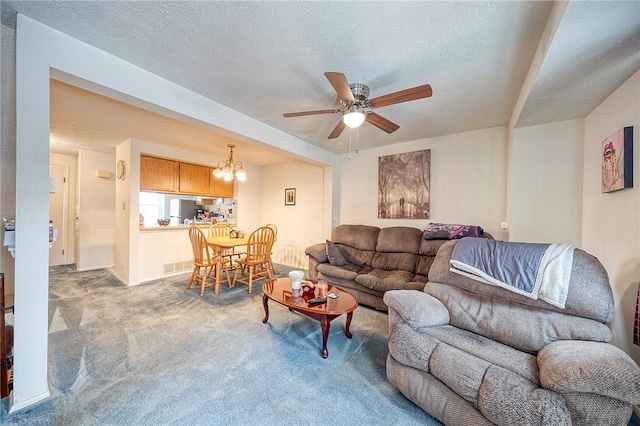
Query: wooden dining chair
[(204, 261), (223, 230), (256, 261), (275, 235)]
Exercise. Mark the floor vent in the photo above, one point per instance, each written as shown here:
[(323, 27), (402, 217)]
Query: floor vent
[(170, 268)]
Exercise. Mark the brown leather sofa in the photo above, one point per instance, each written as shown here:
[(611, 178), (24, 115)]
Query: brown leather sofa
[(375, 260)]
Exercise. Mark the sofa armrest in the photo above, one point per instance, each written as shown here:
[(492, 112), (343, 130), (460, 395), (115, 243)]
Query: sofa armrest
[(418, 309), (589, 367), (318, 252)]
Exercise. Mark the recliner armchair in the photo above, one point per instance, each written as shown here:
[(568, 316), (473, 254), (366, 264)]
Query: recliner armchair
[(471, 353)]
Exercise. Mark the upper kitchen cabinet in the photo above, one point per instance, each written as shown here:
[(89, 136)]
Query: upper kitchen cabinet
[(194, 179), (158, 174), (219, 187), (172, 176)]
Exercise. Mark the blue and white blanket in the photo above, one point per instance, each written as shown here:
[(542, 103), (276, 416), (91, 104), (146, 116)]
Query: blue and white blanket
[(537, 271)]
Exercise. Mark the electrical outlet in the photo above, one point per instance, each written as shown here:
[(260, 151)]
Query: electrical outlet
[(504, 225)]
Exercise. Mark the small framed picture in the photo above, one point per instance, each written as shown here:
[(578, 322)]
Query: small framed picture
[(290, 197)]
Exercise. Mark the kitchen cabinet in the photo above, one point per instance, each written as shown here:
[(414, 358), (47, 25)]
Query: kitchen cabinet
[(171, 176), (194, 179), (220, 187), (158, 174)]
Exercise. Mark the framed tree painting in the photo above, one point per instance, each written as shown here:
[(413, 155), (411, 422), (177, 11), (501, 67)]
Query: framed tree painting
[(404, 185), (617, 161)]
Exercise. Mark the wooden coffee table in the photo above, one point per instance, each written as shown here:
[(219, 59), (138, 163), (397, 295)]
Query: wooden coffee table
[(280, 291)]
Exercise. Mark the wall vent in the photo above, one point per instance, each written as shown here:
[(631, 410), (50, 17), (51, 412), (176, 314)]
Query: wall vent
[(170, 268)]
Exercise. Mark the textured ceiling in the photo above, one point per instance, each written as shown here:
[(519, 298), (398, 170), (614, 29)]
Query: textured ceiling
[(267, 58), (108, 123)]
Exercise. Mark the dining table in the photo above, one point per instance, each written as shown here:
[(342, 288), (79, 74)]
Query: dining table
[(219, 244)]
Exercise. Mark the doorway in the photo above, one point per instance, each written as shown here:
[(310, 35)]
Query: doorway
[(62, 208)]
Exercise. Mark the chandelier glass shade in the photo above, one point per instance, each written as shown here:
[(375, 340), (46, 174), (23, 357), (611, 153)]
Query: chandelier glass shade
[(230, 169), (354, 117)]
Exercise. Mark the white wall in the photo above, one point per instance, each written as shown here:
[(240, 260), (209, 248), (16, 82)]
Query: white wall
[(545, 188), (124, 244), (248, 197), (96, 216), (300, 225), (467, 181), (8, 146), (611, 222)]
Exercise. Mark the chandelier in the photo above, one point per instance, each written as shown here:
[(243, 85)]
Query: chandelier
[(230, 169)]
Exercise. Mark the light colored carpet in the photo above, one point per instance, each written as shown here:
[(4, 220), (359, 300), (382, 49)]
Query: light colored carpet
[(158, 354)]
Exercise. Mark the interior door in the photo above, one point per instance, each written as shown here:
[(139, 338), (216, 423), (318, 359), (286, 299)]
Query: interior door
[(58, 211)]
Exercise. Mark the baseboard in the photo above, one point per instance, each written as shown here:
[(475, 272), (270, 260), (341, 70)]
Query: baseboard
[(28, 403), (93, 268)]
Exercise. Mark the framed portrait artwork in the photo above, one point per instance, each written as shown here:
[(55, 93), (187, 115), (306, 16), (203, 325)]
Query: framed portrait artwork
[(617, 161), (290, 197)]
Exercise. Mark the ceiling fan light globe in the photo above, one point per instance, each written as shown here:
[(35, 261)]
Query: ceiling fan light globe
[(353, 119)]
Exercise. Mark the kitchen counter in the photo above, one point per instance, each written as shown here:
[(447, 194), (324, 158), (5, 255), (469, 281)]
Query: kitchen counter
[(178, 227)]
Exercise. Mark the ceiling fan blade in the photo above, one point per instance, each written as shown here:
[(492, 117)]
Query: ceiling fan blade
[(381, 123), (340, 85), (337, 130), (412, 94), (320, 111)]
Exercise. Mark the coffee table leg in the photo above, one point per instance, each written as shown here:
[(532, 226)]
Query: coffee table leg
[(265, 300), (346, 330), (325, 335)]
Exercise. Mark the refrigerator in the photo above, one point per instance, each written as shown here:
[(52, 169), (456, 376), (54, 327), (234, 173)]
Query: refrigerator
[(179, 210)]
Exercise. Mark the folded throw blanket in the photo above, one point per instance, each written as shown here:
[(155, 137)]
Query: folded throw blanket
[(537, 271)]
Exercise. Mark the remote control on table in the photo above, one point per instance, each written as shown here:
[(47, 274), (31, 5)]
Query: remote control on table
[(317, 301)]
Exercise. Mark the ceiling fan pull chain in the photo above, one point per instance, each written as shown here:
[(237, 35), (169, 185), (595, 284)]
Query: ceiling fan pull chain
[(350, 132)]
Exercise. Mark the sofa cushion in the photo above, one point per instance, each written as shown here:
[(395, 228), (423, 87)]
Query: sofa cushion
[(459, 370), (362, 237), (423, 265), (334, 255), (399, 239), (411, 348), (523, 327), (521, 363), (589, 295), (505, 398), (383, 280), (433, 396), (391, 261), (349, 271)]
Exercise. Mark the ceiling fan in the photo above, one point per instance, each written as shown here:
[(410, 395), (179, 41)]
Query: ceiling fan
[(356, 107)]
